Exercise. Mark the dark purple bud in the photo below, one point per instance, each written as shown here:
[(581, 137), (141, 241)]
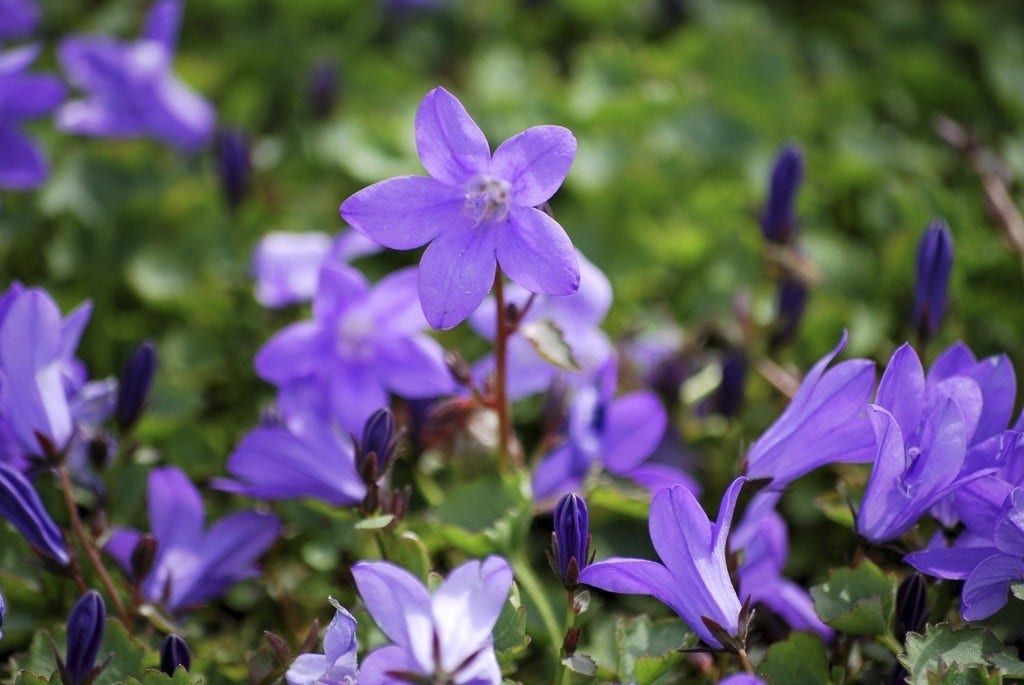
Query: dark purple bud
[(377, 445), (233, 165), (173, 653), (792, 299), (911, 605), (143, 555), (934, 265), (778, 220), (571, 538), (323, 89), (85, 634), (20, 504), (133, 389), (730, 393)]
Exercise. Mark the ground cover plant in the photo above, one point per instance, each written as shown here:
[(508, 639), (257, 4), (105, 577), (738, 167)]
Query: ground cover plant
[(454, 342)]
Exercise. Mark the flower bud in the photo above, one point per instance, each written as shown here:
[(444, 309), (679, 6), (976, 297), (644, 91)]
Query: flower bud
[(934, 265), (85, 634), (233, 166), (729, 396), (20, 504), (323, 89), (571, 539), (377, 446), (133, 388), (173, 653), (792, 299), (778, 220), (143, 555), (911, 605)]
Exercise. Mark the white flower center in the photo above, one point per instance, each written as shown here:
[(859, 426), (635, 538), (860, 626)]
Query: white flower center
[(488, 198), (354, 331)]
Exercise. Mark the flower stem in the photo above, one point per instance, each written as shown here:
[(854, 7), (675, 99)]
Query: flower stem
[(530, 583), (891, 643), (745, 660), (90, 550), (570, 622), (502, 330)]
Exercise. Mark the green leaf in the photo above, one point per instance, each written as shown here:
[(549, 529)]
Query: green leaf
[(580, 663), (153, 676), (26, 678), (945, 655), (39, 658), (649, 649), (375, 522), (510, 638), (549, 342), (858, 601), (800, 659), (409, 552), (129, 655)]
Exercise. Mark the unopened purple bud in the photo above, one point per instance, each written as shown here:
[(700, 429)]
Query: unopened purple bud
[(85, 634), (571, 538), (729, 397), (143, 556), (233, 165), (323, 89), (934, 265), (792, 299), (911, 605), (378, 434), (778, 220), (20, 504), (173, 653), (133, 388)]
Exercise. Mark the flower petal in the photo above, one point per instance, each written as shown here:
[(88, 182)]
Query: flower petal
[(291, 354), (163, 23), (455, 275), (633, 427), (901, 390), (414, 367), (406, 211), (452, 147), (467, 605), (22, 166), (175, 509), (380, 662), (562, 470), (535, 162), (400, 605), (986, 588), (535, 252)]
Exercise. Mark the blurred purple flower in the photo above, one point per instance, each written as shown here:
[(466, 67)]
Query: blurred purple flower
[(23, 96), (824, 423), (778, 220), (133, 389), (193, 565), (444, 633), (18, 18), (934, 265), (322, 89), (790, 303), (578, 316), (742, 679), (130, 88), (474, 210), (233, 165), (287, 265), (20, 504), (337, 665), (362, 343), (693, 578)]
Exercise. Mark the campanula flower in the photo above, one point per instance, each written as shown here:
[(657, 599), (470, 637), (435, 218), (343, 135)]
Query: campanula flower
[(18, 18), (337, 665), (474, 210), (444, 634), (174, 652), (934, 265), (86, 623), (193, 565), (693, 578), (23, 96), (778, 220), (20, 504), (824, 423), (130, 90), (570, 539), (362, 343)]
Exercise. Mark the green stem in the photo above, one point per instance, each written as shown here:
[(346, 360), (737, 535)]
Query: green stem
[(745, 660), (891, 643), (531, 584), (500, 370), (570, 622)]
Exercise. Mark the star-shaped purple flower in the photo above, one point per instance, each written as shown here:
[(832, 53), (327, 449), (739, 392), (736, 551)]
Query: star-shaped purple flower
[(474, 209)]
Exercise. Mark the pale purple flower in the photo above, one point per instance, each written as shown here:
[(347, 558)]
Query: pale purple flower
[(824, 423), (130, 89), (476, 210), (578, 316), (445, 633), (693, 578), (287, 265), (23, 96), (193, 565), (337, 665), (362, 343), (18, 18)]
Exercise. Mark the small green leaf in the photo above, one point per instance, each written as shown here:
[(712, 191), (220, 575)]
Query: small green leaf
[(409, 552), (510, 638), (549, 342), (26, 678), (580, 663), (375, 522), (800, 659), (1017, 589), (129, 655), (153, 676), (945, 655), (657, 643), (858, 601)]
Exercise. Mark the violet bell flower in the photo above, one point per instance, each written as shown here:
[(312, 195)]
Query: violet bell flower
[(337, 665), (445, 633), (693, 578), (193, 565), (474, 210)]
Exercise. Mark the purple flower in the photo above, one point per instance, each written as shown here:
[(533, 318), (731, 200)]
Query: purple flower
[(824, 423), (287, 265), (18, 18), (621, 433), (934, 265), (578, 316), (446, 633), (20, 504), (693, 578), (362, 343), (193, 565), (473, 209), (778, 221), (86, 623), (130, 89), (337, 665), (741, 679), (23, 96)]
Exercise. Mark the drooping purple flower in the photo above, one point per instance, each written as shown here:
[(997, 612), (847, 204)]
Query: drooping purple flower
[(578, 316), (193, 565), (778, 220), (174, 652), (693, 578), (445, 633), (934, 265), (133, 389), (824, 423), (287, 265), (18, 18), (23, 96), (337, 665), (233, 165), (362, 343), (571, 538), (20, 504), (476, 210), (86, 624), (130, 89)]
